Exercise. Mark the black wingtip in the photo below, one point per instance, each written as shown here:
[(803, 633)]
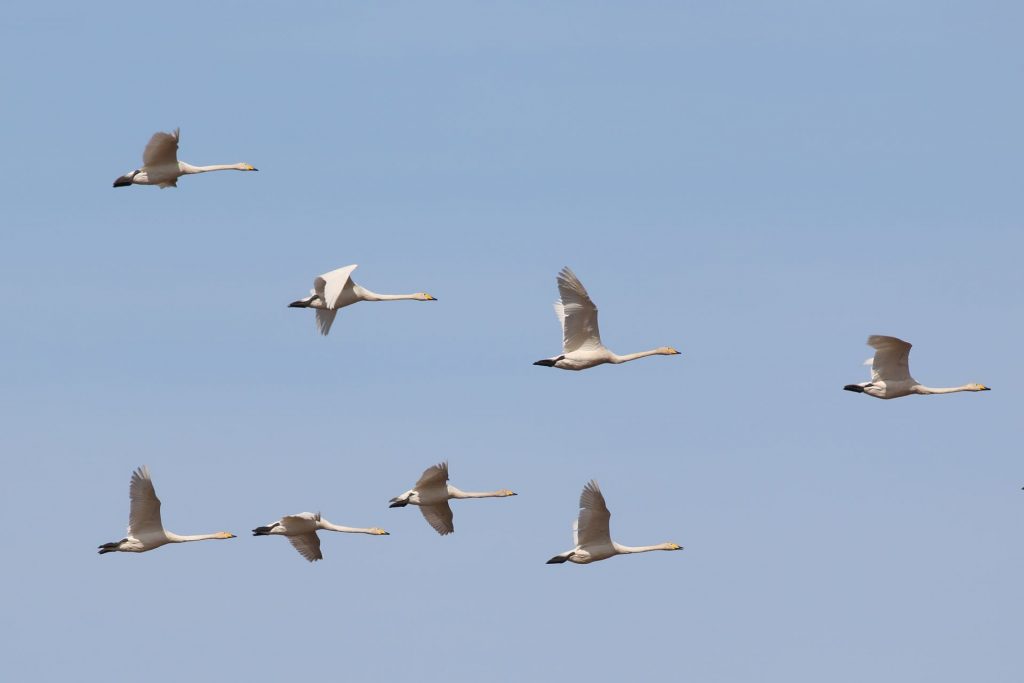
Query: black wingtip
[(854, 387)]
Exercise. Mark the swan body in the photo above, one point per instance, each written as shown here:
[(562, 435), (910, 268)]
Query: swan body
[(336, 289), (145, 530), (432, 493), (160, 165), (301, 531), (890, 373), (581, 339), (591, 536)]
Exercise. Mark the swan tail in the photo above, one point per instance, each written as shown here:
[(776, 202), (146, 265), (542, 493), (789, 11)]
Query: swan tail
[(127, 178), (854, 387), (560, 558)]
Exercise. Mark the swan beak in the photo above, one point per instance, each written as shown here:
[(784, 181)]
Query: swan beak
[(297, 304), (253, 168), (397, 505), (986, 388), (854, 387)]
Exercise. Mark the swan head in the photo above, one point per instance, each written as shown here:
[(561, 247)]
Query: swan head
[(668, 351), (223, 534), (423, 296), (506, 492), (248, 167), (673, 546), (379, 532), (978, 387)]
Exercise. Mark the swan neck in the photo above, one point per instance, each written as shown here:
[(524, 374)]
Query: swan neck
[(343, 529), (923, 390), (456, 493), (633, 356), (189, 168), (627, 549), (175, 538), (367, 295)]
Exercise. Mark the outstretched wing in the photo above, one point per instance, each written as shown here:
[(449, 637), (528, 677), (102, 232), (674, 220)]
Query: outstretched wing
[(161, 150), (433, 477), (439, 516), (324, 320), (145, 509), (330, 286), (592, 525), (308, 546), (302, 523), (892, 359), (577, 313)]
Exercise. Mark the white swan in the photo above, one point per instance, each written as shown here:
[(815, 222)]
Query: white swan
[(160, 165), (336, 289), (432, 493), (591, 536), (890, 372), (581, 340), (145, 530), (301, 531)]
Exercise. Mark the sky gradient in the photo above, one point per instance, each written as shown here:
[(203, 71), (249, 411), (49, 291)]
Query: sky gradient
[(760, 186)]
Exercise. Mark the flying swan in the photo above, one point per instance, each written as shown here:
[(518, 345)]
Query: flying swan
[(890, 372), (160, 165), (301, 531), (145, 530), (336, 289), (590, 533), (581, 340), (432, 493)]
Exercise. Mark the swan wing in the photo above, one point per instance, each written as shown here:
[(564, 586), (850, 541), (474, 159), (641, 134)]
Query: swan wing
[(433, 477), (592, 525), (324, 320), (330, 286), (302, 523), (161, 150), (577, 313), (439, 516), (308, 546), (892, 359), (145, 509)]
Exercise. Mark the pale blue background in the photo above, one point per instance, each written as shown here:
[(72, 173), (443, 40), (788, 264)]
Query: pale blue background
[(761, 185)]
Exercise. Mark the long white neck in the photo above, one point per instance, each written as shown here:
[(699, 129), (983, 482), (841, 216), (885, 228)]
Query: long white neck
[(367, 295), (923, 390), (626, 549), (633, 356), (175, 538), (189, 168), (455, 493), (323, 524)]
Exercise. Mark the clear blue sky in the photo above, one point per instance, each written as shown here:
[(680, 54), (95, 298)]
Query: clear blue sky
[(761, 185)]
